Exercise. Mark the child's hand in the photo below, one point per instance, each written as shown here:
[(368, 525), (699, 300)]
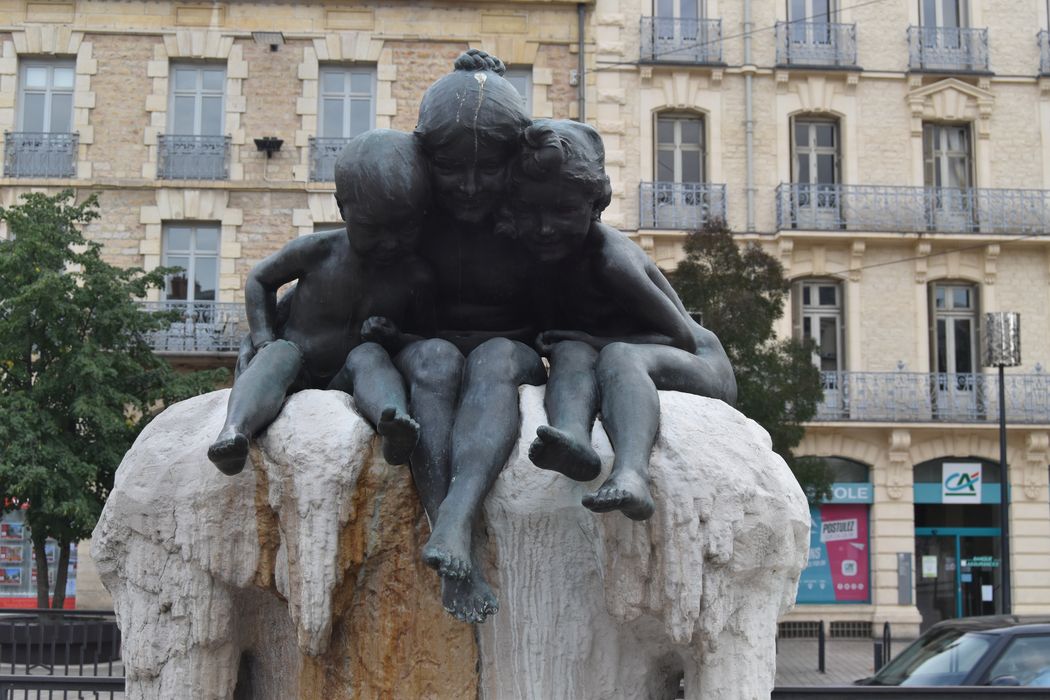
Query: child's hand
[(378, 329)]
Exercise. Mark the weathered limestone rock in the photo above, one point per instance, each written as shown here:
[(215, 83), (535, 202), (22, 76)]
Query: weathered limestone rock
[(300, 577)]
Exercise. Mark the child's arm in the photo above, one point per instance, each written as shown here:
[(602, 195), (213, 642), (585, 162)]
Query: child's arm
[(260, 289), (623, 273)]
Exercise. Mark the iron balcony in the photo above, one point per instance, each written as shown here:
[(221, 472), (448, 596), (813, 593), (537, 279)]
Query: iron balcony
[(947, 49), (874, 208), (912, 397), (38, 154), (816, 44), (189, 157), (201, 327), (673, 40), (324, 151), (680, 205)]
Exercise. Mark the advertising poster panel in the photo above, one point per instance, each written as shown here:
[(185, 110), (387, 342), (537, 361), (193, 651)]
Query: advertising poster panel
[(838, 570)]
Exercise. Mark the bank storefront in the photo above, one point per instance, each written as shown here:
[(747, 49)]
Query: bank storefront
[(957, 546)]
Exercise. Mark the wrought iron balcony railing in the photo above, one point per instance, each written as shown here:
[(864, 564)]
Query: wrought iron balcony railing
[(947, 49), (912, 209), (911, 397), (680, 205), (816, 44), (37, 154), (672, 40), (202, 327), (1044, 52), (187, 157), (323, 153)]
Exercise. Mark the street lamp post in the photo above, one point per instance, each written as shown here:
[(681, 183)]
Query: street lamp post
[(1002, 348)]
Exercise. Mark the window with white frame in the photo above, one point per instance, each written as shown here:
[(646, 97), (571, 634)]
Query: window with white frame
[(680, 148), (46, 97), (197, 97), (953, 306), (678, 19), (818, 317), (346, 101), (194, 248), (521, 79), (951, 14), (815, 171), (195, 146), (43, 143), (810, 21)]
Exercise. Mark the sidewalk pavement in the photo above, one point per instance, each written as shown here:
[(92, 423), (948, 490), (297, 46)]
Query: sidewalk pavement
[(845, 660)]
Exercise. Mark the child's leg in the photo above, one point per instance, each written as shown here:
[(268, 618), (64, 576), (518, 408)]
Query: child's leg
[(379, 392), (628, 379), (433, 369), (255, 400), (486, 428), (572, 404)]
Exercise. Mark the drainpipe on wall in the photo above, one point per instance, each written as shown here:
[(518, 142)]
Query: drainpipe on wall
[(581, 70), (749, 122)]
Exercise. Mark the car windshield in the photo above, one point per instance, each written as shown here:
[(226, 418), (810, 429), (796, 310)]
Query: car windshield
[(943, 658)]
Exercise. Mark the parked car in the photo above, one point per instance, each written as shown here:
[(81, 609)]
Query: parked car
[(991, 650)]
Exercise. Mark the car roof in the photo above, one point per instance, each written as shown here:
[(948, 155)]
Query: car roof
[(997, 624)]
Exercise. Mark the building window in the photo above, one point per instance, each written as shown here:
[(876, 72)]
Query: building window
[(195, 249), (345, 108), (954, 336), (815, 165), (44, 144), (682, 14), (195, 147), (818, 314), (810, 21), (948, 171), (680, 197), (949, 14), (680, 148), (521, 79)]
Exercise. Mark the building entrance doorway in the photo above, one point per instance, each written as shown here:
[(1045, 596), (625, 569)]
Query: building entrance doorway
[(957, 572)]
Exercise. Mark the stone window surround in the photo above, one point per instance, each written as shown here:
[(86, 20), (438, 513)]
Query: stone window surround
[(48, 41), (177, 204), (190, 45)]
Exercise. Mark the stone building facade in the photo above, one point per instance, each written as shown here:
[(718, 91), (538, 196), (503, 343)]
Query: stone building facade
[(893, 154)]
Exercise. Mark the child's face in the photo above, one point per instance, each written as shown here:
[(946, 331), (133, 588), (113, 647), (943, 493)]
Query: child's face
[(469, 177), (552, 218), (383, 239)]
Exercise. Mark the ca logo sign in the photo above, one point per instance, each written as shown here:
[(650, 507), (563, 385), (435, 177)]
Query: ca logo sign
[(962, 484)]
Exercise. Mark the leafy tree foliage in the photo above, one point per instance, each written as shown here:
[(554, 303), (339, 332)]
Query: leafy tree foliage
[(78, 378), (739, 293)]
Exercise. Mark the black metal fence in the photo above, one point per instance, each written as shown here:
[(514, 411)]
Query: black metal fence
[(63, 654)]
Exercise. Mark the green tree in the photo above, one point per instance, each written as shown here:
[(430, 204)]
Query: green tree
[(78, 378), (739, 292)]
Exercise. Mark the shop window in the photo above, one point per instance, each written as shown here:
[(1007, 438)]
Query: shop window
[(838, 569)]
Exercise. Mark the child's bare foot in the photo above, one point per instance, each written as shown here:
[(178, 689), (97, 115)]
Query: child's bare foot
[(400, 434), (448, 552), (470, 599), (626, 491), (557, 450), (229, 452)]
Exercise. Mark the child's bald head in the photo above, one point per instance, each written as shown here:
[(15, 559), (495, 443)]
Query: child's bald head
[(382, 171)]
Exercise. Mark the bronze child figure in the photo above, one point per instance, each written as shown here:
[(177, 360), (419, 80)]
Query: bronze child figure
[(352, 287), (630, 334)]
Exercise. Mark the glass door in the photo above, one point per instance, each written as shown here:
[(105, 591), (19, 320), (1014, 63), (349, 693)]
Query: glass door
[(935, 587), (957, 573)]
